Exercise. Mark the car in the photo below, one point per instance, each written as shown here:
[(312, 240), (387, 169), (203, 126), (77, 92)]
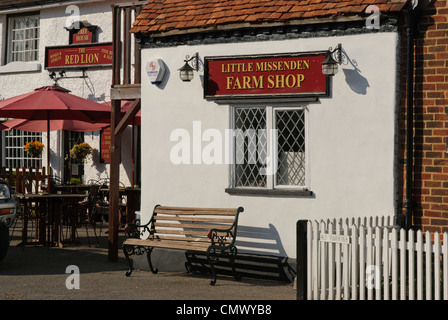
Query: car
[(9, 208)]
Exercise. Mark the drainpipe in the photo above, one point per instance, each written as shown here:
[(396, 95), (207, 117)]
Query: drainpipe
[(408, 204)]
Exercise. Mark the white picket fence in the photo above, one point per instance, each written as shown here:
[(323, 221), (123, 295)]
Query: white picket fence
[(367, 259)]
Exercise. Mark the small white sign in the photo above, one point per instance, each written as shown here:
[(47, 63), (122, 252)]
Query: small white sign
[(334, 238), (75, 170), (156, 71)]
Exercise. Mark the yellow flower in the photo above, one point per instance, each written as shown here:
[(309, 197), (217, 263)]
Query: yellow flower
[(80, 151), (34, 148)]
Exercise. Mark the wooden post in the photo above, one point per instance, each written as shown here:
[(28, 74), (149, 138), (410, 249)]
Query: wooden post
[(301, 259), (114, 181)]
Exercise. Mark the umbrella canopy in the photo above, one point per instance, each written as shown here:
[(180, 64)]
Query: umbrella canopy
[(41, 125), (52, 103)]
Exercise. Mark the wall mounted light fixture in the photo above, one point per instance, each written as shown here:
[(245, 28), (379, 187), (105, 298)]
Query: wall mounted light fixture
[(191, 64), (62, 75), (330, 64)]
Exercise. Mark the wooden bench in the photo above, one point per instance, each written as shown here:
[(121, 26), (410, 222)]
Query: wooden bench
[(206, 230)]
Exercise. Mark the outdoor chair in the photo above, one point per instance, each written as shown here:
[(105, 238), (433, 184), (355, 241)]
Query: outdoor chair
[(87, 211)]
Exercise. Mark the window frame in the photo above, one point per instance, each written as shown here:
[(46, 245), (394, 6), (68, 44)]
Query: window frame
[(9, 37), (19, 138), (271, 188)]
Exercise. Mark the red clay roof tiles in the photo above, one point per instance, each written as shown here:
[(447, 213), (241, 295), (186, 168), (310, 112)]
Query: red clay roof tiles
[(166, 15)]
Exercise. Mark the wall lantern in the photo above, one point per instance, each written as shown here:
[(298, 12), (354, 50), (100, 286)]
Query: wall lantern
[(330, 65), (187, 71)]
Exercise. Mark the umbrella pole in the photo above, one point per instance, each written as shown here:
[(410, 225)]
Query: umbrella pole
[(48, 152)]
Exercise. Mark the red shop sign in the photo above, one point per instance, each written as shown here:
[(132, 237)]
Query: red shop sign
[(79, 56), (265, 76), (105, 140)]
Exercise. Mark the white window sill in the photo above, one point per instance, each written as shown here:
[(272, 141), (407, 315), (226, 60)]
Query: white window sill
[(19, 66)]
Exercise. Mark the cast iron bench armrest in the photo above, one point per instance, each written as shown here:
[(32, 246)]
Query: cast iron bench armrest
[(221, 240)]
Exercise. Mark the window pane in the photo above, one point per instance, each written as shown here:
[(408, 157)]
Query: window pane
[(250, 147), (15, 155), (291, 147), (24, 42)]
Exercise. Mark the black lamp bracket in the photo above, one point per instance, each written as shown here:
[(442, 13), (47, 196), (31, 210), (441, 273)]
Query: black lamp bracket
[(337, 53), (62, 75), (193, 61)]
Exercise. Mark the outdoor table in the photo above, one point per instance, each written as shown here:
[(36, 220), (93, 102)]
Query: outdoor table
[(54, 204), (132, 201), (72, 188)]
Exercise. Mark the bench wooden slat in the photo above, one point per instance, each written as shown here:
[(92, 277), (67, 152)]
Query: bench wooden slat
[(191, 225), (173, 244), (182, 232), (159, 218), (186, 209), (187, 239), (195, 212)]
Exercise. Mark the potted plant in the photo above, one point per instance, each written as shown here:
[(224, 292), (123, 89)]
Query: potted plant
[(80, 151), (34, 148)]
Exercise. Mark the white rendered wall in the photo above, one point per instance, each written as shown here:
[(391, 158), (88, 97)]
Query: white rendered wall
[(350, 140), (96, 87)]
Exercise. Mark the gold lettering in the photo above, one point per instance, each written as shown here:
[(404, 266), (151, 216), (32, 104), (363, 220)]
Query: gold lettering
[(300, 78), (229, 82), (279, 81), (306, 63), (270, 81), (258, 84), (290, 81), (246, 82), (237, 84)]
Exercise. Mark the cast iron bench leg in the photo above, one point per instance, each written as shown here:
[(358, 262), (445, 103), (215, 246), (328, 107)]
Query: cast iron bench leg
[(212, 258), (148, 256), (233, 253), (130, 261)]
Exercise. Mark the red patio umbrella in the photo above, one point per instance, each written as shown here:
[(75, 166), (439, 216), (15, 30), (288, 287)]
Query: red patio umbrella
[(41, 125), (52, 103)]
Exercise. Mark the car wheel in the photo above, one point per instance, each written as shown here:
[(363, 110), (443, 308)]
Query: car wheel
[(4, 242)]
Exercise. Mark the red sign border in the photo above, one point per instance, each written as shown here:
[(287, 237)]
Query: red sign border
[(264, 95), (83, 45)]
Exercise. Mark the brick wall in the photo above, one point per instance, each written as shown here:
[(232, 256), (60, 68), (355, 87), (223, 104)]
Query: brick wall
[(430, 119)]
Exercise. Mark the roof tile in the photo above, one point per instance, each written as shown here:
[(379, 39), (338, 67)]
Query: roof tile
[(167, 15)]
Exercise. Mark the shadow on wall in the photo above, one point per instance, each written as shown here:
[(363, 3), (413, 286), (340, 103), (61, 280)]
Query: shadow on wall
[(260, 255), (357, 82)]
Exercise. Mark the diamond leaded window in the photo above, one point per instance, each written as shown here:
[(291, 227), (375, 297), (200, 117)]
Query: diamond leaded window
[(269, 148)]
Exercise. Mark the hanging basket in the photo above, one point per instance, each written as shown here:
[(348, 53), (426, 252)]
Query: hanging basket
[(80, 151), (34, 148)]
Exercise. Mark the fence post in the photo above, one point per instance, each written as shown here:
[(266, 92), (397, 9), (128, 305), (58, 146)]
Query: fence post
[(301, 259)]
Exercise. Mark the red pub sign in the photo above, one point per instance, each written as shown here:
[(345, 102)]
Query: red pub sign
[(79, 56), (105, 139), (265, 75), (83, 35)]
